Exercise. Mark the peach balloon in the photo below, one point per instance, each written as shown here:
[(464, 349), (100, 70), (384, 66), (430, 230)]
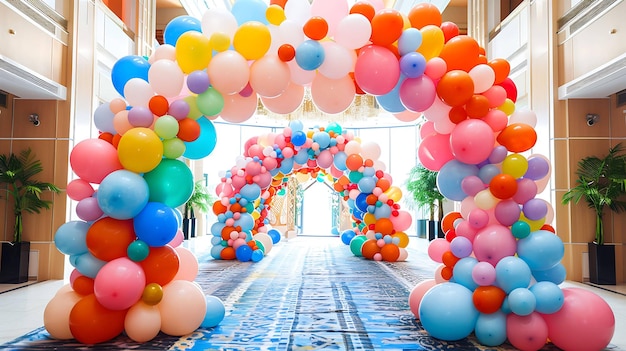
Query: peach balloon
[(182, 308), (56, 315)]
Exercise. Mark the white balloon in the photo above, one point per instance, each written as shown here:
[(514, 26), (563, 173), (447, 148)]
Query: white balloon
[(353, 31)]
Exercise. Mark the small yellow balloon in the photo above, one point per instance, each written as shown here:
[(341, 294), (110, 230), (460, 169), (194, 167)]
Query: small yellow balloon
[(369, 218), (255, 215), (515, 164), (219, 41), (534, 225), (432, 41), (194, 112), (140, 150), (275, 14), (404, 238), (508, 107), (252, 40), (152, 294), (193, 51), (394, 193)]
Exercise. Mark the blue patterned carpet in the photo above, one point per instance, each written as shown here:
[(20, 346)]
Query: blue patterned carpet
[(307, 294)]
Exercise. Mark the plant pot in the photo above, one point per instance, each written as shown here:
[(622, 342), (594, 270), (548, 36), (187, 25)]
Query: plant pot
[(14, 263), (422, 228), (434, 230), (601, 264), (189, 228)]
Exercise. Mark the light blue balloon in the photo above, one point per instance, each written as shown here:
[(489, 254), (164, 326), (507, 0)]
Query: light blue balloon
[(216, 250), (541, 250), (409, 41), (391, 102), (286, 166), (302, 156), (554, 274), (257, 255), (246, 222), (215, 312), (179, 217), (367, 184), (384, 211), (296, 125), (340, 160), (450, 177), (249, 10), (179, 25), (123, 194), (205, 144), (216, 228), (522, 302), (322, 138), (86, 264), (447, 312), (70, 238), (310, 55), (215, 240), (462, 272), (512, 273), (491, 328), (103, 118), (487, 172), (250, 192), (549, 297)]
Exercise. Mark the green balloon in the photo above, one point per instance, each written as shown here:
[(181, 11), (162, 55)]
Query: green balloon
[(173, 148), (210, 102), (355, 176), (356, 243), (138, 251), (170, 183), (166, 127)]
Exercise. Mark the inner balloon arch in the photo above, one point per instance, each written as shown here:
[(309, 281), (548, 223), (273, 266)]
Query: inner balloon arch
[(247, 190)]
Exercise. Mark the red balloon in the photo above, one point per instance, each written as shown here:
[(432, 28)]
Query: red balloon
[(450, 30), (158, 105), (161, 265), (108, 238), (286, 52), (364, 8), (510, 88), (188, 129), (315, 28)]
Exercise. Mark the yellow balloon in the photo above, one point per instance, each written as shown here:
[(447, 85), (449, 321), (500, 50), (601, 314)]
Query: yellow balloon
[(193, 51), (275, 14), (152, 294), (515, 165), (140, 150), (369, 218), (404, 238), (219, 41), (194, 112), (252, 40), (255, 215), (485, 200), (394, 193), (534, 225), (508, 107), (432, 42)]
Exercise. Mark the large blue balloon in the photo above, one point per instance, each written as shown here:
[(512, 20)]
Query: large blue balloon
[(156, 224), (450, 177), (541, 250), (447, 312), (122, 194), (71, 237), (127, 68), (179, 25), (512, 273), (205, 143), (390, 102)]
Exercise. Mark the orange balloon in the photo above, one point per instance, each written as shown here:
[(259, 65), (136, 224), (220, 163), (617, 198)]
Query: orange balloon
[(384, 226), (280, 3), (226, 232), (517, 137), (116, 140), (92, 323), (354, 162), (315, 28), (450, 30), (488, 299), (383, 184), (83, 285), (390, 252), (218, 208), (106, 136), (447, 222), (446, 273), (549, 228), (501, 68), (503, 186), (161, 265), (424, 14), (387, 27), (370, 248), (158, 105), (460, 52), (108, 238), (457, 114), (188, 129), (455, 88), (364, 8), (477, 106), (228, 253), (286, 52), (449, 259)]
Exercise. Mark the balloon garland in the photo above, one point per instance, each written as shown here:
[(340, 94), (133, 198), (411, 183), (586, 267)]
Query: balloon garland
[(500, 260)]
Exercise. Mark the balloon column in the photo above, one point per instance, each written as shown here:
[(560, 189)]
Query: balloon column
[(246, 192)]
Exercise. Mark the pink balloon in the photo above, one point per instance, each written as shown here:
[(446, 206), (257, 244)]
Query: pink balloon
[(472, 141), (466, 230), (496, 96), (426, 129), (269, 76), (585, 322), (188, 268), (79, 189), (94, 159), (527, 332), (484, 273), (238, 108), (298, 75), (526, 190), (330, 10), (376, 70), (287, 102), (507, 212), (402, 221), (435, 68), (229, 72), (417, 94), (332, 95), (472, 185), (478, 218), (119, 284), (178, 239), (493, 243), (434, 151), (418, 292), (436, 248), (496, 119), (325, 159)]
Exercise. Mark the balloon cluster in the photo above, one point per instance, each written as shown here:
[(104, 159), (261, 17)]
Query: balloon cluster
[(242, 230)]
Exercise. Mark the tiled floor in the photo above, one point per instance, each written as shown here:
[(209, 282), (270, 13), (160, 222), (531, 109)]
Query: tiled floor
[(21, 309)]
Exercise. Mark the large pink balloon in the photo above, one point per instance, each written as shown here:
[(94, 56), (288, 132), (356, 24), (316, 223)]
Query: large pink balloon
[(417, 94), (269, 76), (119, 284), (585, 322), (526, 332), (493, 243), (229, 72), (472, 141), (287, 102), (377, 70), (94, 159), (332, 95), (434, 151)]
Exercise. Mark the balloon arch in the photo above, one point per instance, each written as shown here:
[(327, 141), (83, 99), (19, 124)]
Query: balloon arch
[(500, 259)]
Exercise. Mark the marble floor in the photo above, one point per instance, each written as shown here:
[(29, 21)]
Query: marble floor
[(22, 306)]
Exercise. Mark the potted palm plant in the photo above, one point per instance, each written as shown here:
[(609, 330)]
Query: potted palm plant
[(601, 183), (423, 193), (17, 173), (201, 200)]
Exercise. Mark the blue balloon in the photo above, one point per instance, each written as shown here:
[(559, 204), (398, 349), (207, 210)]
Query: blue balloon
[(512, 273), (384, 211), (296, 125), (360, 202), (249, 10), (216, 228), (179, 25), (301, 157), (554, 274), (127, 68), (310, 55), (205, 144), (491, 328), (71, 237), (541, 250), (409, 41), (250, 192), (216, 251), (522, 302), (257, 255), (322, 139), (274, 235), (244, 253), (298, 138), (462, 272), (549, 297), (123, 194), (367, 184), (413, 65), (246, 222), (216, 240), (450, 177), (390, 102), (487, 172), (86, 264), (447, 311), (286, 166), (347, 236), (156, 224), (215, 312), (339, 160)]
